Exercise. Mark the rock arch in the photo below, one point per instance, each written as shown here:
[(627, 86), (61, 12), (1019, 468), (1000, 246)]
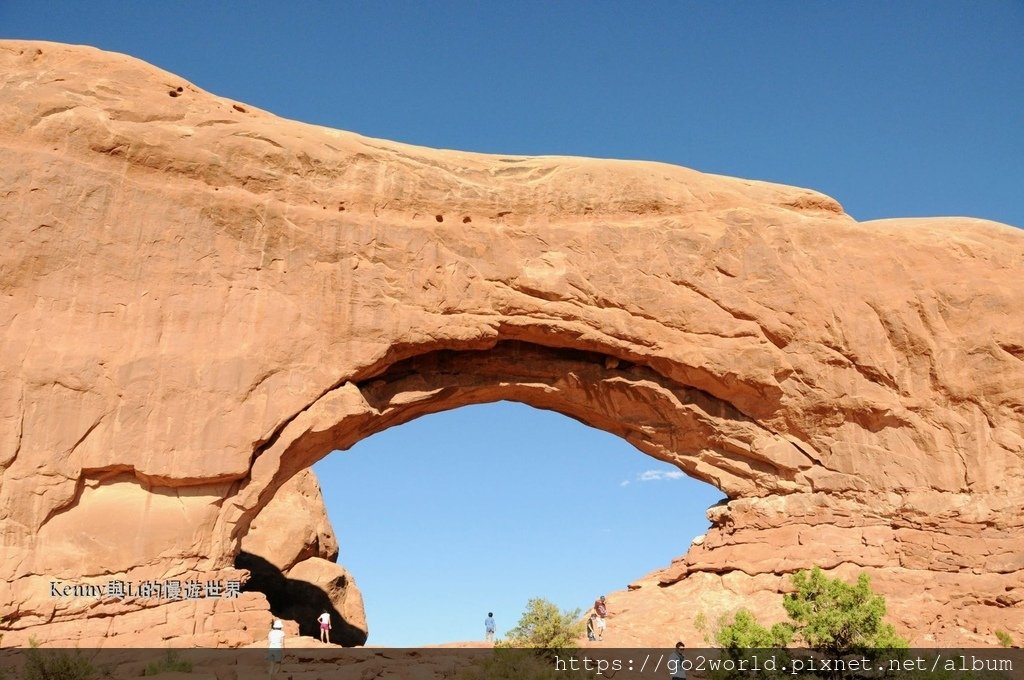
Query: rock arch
[(244, 293), (705, 436)]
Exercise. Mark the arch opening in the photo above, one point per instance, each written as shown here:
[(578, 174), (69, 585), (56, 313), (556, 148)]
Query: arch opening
[(480, 508), (705, 437)]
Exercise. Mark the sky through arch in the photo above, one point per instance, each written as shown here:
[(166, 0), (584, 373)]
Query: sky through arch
[(477, 509)]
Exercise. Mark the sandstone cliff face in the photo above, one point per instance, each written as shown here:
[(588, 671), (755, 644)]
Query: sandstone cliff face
[(200, 299)]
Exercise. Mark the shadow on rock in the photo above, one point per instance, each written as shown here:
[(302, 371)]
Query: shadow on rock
[(298, 600)]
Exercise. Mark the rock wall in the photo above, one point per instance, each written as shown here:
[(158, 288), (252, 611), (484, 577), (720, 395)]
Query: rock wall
[(199, 300)]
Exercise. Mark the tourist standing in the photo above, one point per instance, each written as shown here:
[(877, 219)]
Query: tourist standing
[(601, 610), (677, 663), (275, 646), (489, 627), (325, 627)]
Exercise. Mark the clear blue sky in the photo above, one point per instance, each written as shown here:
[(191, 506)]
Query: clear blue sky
[(896, 109), (456, 514)]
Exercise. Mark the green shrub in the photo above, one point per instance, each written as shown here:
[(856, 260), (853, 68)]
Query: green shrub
[(1004, 638), (828, 615), (170, 662), (54, 664), (528, 652), (835, 617), (744, 632), (544, 626)]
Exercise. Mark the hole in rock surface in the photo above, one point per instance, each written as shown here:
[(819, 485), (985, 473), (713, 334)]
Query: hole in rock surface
[(480, 508)]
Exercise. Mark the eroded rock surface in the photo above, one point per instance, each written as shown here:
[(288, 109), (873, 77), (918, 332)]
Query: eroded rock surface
[(290, 554), (199, 300), (293, 526), (340, 598)]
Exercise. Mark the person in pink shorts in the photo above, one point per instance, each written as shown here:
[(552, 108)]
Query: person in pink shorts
[(325, 627)]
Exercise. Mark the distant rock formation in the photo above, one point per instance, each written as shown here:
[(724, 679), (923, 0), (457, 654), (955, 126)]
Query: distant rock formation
[(199, 300)]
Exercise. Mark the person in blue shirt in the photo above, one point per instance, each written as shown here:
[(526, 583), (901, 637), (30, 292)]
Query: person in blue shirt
[(489, 627)]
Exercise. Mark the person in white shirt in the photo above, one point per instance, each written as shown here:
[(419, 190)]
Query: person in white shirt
[(275, 644), (601, 609), (325, 627), (489, 627)]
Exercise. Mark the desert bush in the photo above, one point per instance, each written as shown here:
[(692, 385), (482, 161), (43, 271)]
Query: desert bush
[(169, 662), (836, 617), (826, 614), (544, 626), (56, 664)]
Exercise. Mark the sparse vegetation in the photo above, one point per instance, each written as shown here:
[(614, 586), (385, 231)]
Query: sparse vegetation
[(827, 615), (544, 626), (56, 664), (741, 634), (168, 663), (1004, 638), (832, 616), (744, 632), (543, 633)]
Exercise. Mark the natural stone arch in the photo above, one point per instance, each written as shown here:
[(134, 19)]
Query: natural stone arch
[(706, 437), (247, 290)]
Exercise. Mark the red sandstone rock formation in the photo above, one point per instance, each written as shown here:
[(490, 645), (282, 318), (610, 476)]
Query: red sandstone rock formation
[(290, 552), (200, 299), (293, 526)]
